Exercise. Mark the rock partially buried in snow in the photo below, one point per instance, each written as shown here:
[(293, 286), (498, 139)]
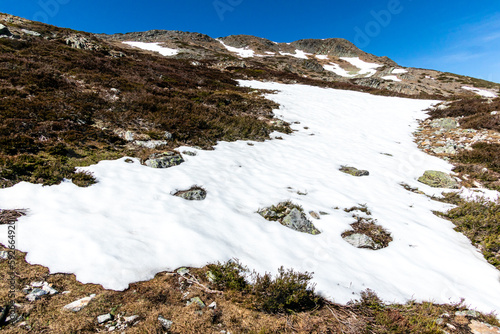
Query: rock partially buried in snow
[(438, 179), (79, 304), (193, 194), (165, 323), (354, 171), (361, 241), (298, 221), (164, 160)]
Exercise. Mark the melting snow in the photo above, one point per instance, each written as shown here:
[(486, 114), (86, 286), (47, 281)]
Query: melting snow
[(481, 92), (128, 226), (154, 47), (391, 77), (399, 71), (367, 69), (338, 70), (322, 57), (298, 54), (242, 52)]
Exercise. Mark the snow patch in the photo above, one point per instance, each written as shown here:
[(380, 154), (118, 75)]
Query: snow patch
[(242, 52), (482, 92), (128, 226), (335, 68), (391, 77), (322, 57), (164, 51), (366, 69)]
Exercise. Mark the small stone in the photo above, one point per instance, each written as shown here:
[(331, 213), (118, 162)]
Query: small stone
[(130, 319), (314, 215), (166, 324), (65, 292), (168, 135), (362, 241), (35, 294), (183, 271), (112, 328), (30, 32), (190, 153), (470, 313), (79, 304), (354, 171), (49, 289), (212, 305), (439, 321), (194, 194), (4, 255), (150, 143), (104, 318), (447, 123), (210, 276), (196, 300)]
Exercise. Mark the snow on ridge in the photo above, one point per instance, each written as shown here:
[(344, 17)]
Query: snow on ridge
[(367, 69), (399, 71), (322, 57), (164, 51), (242, 52), (128, 226), (298, 54), (482, 92), (391, 77), (335, 68)]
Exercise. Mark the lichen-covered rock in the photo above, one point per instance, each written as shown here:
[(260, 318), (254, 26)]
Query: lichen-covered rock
[(193, 194), (298, 221), (438, 179), (164, 160), (354, 171), (197, 301), (447, 123), (165, 323), (362, 241)]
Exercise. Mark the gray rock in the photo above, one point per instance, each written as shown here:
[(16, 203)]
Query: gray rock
[(449, 149), (168, 135), (354, 171), (197, 301), (314, 215), (470, 313), (4, 31), (438, 179), (193, 195), (130, 319), (150, 143), (298, 221), (35, 294), (79, 304), (104, 318), (183, 271), (50, 290), (4, 255), (212, 305), (361, 241), (447, 123), (129, 136), (165, 323), (190, 153), (80, 42), (164, 160)]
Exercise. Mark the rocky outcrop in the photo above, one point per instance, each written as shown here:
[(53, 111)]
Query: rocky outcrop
[(291, 216), (81, 42), (4, 31), (354, 171), (193, 194)]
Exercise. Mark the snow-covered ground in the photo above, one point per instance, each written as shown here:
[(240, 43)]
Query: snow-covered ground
[(128, 226), (367, 69), (391, 77), (164, 51), (399, 71), (242, 52), (298, 54), (335, 68), (482, 92)]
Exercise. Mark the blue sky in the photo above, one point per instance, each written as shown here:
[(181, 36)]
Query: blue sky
[(456, 36)]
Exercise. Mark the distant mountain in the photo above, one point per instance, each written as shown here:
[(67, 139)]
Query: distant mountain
[(329, 60)]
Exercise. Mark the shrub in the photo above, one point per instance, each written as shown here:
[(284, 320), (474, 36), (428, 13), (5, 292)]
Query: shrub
[(229, 275), (83, 179), (288, 292)]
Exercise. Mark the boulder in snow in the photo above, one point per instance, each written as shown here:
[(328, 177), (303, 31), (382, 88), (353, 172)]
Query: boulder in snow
[(438, 179)]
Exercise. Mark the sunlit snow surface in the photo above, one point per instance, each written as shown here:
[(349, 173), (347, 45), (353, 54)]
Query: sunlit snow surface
[(128, 226), (164, 51), (367, 69), (391, 77), (482, 92), (242, 52)]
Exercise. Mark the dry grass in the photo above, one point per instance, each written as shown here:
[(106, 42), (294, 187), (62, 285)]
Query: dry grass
[(10, 216)]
